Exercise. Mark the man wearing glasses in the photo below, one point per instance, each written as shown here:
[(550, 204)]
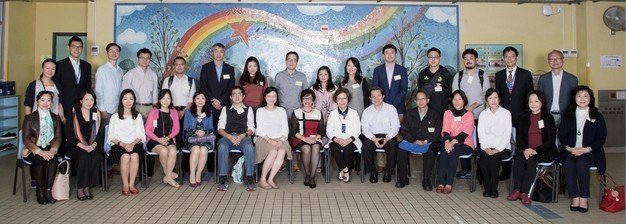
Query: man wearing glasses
[(436, 80), (557, 85)]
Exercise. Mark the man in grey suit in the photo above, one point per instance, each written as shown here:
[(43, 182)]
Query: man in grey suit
[(557, 86)]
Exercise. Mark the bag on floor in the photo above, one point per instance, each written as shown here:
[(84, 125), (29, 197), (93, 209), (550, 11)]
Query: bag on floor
[(613, 198), (61, 186), (543, 188), (238, 171)]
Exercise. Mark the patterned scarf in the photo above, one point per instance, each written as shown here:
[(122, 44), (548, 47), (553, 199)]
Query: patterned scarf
[(46, 128)]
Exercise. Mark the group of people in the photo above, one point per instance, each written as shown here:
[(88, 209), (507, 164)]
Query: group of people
[(455, 116)]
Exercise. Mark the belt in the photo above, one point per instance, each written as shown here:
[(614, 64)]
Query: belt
[(555, 112), (143, 104), (180, 108)]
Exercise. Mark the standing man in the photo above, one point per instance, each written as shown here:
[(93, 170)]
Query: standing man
[(474, 83), (216, 80), (392, 79), (144, 82), (108, 83), (380, 125), (73, 75), (290, 83), (436, 80), (183, 88), (513, 85), (556, 86)]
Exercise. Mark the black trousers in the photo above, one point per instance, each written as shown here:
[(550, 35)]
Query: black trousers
[(448, 163), (490, 166), (44, 171), (343, 155), (428, 161), (87, 165), (369, 150), (524, 171), (577, 174)]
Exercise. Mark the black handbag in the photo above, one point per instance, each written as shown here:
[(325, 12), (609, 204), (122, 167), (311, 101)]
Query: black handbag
[(543, 189)]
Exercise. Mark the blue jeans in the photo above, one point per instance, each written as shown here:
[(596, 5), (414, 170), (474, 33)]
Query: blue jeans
[(223, 150)]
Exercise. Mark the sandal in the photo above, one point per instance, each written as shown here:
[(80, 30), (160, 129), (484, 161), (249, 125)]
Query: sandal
[(439, 189)]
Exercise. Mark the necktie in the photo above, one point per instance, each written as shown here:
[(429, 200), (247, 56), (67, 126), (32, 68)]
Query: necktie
[(509, 81)]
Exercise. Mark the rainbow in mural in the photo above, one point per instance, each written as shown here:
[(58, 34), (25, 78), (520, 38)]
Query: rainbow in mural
[(321, 34)]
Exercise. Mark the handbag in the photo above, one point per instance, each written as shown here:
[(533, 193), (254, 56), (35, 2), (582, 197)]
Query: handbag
[(543, 191), (61, 187), (613, 198), (412, 147), (201, 139)]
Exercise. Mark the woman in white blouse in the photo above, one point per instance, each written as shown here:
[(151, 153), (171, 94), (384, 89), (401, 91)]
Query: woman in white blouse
[(494, 134), (126, 135), (343, 129), (271, 142)]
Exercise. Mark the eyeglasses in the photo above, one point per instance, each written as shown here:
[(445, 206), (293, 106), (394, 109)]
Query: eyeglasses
[(236, 94), (433, 58)]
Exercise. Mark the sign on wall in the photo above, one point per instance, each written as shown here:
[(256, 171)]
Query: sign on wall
[(321, 34), (490, 57)]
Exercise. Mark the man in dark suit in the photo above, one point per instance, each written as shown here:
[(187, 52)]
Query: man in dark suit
[(216, 80), (392, 79), (556, 86), (513, 85), (73, 74)]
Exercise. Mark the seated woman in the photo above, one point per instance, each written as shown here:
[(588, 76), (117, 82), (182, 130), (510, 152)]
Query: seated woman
[(198, 123), (42, 138), (536, 136), (271, 142), (421, 130), (84, 131), (126, 135), (457, 130), (306, 129), (494, 134), (343, 129), (583, 133), (162, 126)]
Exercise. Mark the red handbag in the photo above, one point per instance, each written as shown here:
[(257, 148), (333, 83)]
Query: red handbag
[(613, 198)]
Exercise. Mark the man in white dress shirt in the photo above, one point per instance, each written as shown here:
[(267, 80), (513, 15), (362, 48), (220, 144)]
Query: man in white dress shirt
[(380, 125)]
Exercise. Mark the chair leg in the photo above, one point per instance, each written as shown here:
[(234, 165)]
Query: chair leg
[(24, 184), (326, 165), (472, 180), (180, 165), (362, 164), (17, 165), (532, 186), (215, 166), (510, 182), (144, 171), (408, 165)]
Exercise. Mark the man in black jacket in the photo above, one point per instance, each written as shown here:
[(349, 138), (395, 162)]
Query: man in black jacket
[(421, 126)]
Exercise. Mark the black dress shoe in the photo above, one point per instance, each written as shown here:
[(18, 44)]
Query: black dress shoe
[(387, 178), (428, 187), (88, 194), (41, 197), (583, 210), (494, 194), (400, 184), (574, 208), (374, 178), (486, 194)]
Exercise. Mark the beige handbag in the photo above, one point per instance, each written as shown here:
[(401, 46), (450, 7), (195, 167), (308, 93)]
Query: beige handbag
[(61, 186)]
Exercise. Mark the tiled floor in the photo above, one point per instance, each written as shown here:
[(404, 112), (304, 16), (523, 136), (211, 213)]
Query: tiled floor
[(335, 202)]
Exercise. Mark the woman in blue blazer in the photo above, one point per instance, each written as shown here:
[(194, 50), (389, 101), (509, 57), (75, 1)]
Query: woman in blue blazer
[(197, 123), (582, 134)]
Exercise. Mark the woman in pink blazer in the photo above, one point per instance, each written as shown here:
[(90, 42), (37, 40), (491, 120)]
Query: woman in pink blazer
[(162, 126), (457, 130)]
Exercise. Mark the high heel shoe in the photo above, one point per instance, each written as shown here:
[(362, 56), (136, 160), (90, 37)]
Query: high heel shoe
[(78, 195), (87, 193), (312, 182), (133, 191), (125, 193), (170, 182), (307, 181)]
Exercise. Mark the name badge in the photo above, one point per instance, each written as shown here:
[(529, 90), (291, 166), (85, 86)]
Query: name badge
[(438, 88), (397, 77), (154, 123), (261, 83), (356, 86), (313, 136), (431, 130), (470, 79), (298, 83), (457, 118), (226, 76), (541, 125)]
